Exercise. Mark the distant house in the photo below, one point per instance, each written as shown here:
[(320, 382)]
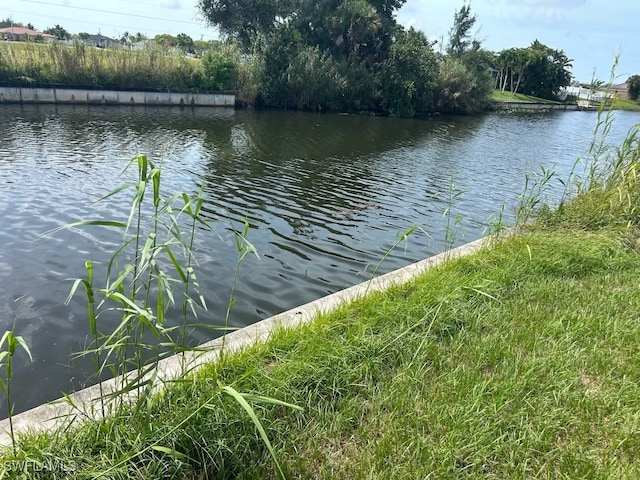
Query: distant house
[(100, 41), (621, 90), (586, 94), (20, 34)]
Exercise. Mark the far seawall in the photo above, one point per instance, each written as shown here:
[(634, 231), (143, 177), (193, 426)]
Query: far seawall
[(535, 106), (113, 97)]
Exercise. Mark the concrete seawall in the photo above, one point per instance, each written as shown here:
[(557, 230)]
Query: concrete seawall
[(49, 416), (534, 106), (112, 97)]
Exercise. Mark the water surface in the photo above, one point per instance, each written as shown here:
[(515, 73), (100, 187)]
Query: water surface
[(325, 196)]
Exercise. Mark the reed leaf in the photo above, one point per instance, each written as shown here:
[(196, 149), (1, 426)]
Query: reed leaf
[(85, 223)]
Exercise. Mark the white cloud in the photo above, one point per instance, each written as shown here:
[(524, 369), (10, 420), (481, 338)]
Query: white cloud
[(562, 4), (547, 16), (544, 13), (411, 22), (172, 4)]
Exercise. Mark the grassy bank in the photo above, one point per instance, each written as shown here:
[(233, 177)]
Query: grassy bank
[(625, 104), (517, 362), (41, 65), (512, 363), (498, 96)]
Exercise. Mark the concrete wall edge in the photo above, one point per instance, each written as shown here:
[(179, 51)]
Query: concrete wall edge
[(59, 413), (72, 96)]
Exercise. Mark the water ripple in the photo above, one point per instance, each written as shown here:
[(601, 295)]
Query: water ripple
[(325, 196)]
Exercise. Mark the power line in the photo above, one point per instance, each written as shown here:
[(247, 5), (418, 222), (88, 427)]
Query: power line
[(202, 30), (28, 16), (109, 11)]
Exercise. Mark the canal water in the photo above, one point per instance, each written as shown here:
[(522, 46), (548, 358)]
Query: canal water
[(325, 197)]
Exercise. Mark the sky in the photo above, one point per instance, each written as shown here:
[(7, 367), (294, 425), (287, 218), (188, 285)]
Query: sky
[(591, 32)]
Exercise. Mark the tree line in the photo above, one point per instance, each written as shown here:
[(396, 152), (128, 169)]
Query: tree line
[(352, 55), (633, 86)]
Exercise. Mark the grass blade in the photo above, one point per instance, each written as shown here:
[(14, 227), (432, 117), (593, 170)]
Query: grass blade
[(172, 452), (233, 393)]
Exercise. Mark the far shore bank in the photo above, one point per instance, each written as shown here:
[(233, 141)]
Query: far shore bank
[(81, 96), (536, 106)]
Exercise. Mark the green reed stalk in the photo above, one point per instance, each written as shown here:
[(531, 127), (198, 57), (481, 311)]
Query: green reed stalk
[(400, 238), (496, 224), (6, 360), (193, 208), (190, 274), (450, 231), (533, 194), (243, 248), (153, 268), (143, 168), (93, 325)]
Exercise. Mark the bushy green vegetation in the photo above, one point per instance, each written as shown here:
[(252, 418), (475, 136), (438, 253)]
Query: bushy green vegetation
[(338, 55), (33, 64), (352, 55), (633, 86), (538, 70), (409, 76), (625, 104)]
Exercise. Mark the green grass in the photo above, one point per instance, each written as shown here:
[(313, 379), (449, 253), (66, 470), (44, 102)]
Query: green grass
[(497, 96), (626, 104), (513, 363)]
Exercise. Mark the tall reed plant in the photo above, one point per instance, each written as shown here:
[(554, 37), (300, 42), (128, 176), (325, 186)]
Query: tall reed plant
[(452, 221), (153, 269), (534, 196), (9, 343), (144, 276), (602, 189)]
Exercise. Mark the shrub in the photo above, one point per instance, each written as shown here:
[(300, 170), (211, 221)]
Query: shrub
[(409, 76), (463, 87), (220, 71), (633, 86)]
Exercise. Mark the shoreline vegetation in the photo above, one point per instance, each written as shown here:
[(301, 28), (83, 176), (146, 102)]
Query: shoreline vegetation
[(517, 361), (617, 102), (349, 56), (457, 83), (625, 104), (353, 59), (29, 64), (33, 65)]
